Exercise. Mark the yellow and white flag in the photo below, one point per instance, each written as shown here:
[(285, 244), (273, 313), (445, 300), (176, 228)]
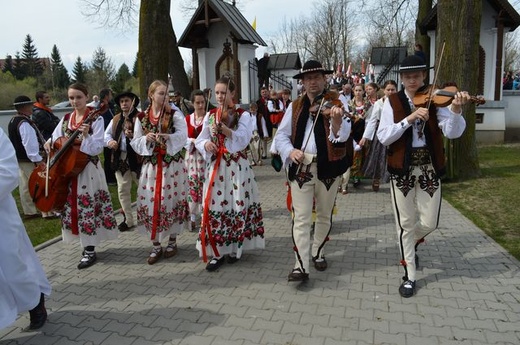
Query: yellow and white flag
[(254, 24)]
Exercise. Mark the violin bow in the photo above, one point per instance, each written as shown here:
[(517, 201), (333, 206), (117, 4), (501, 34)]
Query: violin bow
[(430, 92), (313, 124), (312, 130), (47, 172), (224, 106), (161, 116)]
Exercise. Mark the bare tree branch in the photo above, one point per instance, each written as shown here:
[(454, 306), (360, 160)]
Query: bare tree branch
[(112, 14)]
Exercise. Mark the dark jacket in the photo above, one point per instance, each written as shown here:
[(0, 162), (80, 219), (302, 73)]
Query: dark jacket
[(45, 120)]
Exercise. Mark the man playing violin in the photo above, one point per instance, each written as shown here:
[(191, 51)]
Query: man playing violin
[(416, 161), (124, 160), (312, 144)]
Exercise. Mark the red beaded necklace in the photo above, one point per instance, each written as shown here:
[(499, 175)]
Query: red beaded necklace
[(75, 125)]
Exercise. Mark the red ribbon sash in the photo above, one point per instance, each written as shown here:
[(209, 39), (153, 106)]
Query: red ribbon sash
[(206, 229)]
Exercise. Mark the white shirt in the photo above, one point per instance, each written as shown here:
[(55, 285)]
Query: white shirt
[(30, 142), (284, 145), (451, 124), (109, 138), (345, 100), (239, 139), (92, 144), (176, 141), (375, 116)]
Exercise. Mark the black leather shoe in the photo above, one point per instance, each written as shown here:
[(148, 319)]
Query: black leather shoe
[(320, 264), (298, 276), (214, 264), (357, 182), (38, 315), (87, 260), (407, 289), (123, 227), (231, 259)]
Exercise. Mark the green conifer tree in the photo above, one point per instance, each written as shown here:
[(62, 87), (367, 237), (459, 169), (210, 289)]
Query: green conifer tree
[(122, 76), (33, 65), (60, 75), (8, 64), (20, 71), (79, 71)]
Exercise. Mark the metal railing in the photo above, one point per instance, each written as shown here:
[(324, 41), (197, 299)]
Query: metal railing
[(277, 80)]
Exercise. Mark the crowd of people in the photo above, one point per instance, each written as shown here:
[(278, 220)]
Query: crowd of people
[(193, 166)]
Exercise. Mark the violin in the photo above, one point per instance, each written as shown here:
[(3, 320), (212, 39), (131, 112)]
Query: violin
[(330, 99), (441, 97)]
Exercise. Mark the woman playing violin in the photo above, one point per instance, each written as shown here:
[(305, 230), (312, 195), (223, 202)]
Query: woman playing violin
[(88, 213), (162, 208), (416, 160), (232, 219)]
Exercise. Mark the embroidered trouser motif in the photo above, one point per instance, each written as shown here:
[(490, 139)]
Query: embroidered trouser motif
[(302, 201), (416, 199)]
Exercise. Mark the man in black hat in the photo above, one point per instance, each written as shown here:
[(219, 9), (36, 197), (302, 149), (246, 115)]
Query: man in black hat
[(416, 160), (124, 160), (312, 145), (28, 144)]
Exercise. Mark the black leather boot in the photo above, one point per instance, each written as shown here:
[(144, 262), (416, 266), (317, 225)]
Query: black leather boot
[(38, 315)]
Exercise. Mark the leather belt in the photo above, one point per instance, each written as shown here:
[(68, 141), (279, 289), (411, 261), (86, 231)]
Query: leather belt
[(420, 156)]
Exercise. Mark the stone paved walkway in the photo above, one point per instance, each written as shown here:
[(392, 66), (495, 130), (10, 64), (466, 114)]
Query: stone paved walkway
[(468, 292)]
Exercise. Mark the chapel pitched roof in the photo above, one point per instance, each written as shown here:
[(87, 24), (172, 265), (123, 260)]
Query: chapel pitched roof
[(284, 61), (213, 11)]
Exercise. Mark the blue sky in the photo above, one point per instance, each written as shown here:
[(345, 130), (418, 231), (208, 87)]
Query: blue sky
[(61, 23)]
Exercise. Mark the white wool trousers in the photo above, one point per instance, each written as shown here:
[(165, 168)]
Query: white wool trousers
[(311, 192), (124, 188), (416, 200)]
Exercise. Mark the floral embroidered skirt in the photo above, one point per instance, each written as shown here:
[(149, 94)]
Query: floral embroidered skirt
[(91, 207), (235, 214), (173, 215)]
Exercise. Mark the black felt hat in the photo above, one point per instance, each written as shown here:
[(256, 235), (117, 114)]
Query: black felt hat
[(310, 67), (132, 95), (412, 63), (22, 100)]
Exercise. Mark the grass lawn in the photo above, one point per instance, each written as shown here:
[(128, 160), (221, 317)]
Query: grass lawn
[(491, 200), (41, 230)]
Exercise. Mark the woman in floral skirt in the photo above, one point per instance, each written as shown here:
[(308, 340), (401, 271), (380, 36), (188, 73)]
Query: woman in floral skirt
[(88, 213), (232, 216), (159, 137)]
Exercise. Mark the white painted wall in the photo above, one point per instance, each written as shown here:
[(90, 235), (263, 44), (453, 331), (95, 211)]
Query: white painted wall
[(209, 56)]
